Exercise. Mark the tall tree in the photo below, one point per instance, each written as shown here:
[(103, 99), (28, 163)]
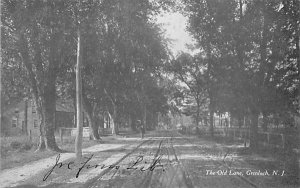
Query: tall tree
[(39, 31), (207, 22), (247, 56), (190, 70)]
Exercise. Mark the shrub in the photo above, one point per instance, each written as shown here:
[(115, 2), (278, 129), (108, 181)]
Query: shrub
[(15, 145), (26, 146)]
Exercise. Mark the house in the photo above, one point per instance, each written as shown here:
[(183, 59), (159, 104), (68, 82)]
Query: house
[(65, 114), (13, 121), (22, 118)]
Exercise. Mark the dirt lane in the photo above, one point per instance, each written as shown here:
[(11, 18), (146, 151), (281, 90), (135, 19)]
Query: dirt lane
[(199, 162), (215, 164), (163, 159), (188, 162), (154, 164)]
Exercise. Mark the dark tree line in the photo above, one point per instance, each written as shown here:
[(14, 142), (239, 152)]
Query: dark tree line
[(122, 53), (248, 62), (250, 52)]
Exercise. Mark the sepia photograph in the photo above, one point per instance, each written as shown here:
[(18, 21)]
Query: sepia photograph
[(150, 94)]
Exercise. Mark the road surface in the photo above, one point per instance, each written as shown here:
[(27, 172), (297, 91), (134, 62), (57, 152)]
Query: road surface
[(163, 159)]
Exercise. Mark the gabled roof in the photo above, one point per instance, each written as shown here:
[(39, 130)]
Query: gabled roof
[(20, 105), (61, 106), (64, 106)]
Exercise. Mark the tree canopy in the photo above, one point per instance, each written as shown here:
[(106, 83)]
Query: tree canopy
[(247, 66)]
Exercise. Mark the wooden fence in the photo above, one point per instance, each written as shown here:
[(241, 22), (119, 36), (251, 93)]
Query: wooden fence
[(267, 139), (69, 133)]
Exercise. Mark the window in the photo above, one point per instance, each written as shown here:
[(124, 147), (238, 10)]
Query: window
[(14, 123), (33, 109), (35, 124), (23, 126), (17, 113)]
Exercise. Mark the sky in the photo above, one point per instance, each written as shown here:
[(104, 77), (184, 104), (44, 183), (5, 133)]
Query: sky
[(175, 26)]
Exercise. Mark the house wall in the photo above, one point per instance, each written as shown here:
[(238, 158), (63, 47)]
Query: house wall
[(64, 119), (30, 125), (33, 121), (182, 120), (12, 120), (9, 130)]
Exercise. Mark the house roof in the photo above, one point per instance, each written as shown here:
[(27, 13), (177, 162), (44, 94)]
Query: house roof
[(64, 106), (61, 106), (14, 106)]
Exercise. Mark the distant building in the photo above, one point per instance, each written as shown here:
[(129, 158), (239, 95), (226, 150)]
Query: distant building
[(22, 118)]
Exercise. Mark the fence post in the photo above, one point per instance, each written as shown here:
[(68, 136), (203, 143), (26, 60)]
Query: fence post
[(268, 138), (263, 138), (30, 136), (233, 133), (283, 141), (245, 137)]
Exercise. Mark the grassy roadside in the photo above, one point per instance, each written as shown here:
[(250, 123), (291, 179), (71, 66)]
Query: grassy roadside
[(18, 151), (266, 158)]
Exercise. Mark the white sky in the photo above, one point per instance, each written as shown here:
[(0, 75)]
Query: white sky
[(175, 26)]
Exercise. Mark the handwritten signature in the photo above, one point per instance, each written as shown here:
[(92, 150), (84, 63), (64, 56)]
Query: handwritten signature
[(136, 165)]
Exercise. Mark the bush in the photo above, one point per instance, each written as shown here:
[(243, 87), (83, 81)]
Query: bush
[(4, 152), (15, 145), (26, 146)]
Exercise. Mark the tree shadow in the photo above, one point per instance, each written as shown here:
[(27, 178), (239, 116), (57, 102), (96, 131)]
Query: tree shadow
[(267, 158), (54, 185)]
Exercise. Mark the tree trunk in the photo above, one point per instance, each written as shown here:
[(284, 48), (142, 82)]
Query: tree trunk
[(276, 121), (211, 118), (25, 115), (24, 52), (47, 109), (1, 102), (298, 49), (115, 130), (94, 135), (211, 123), (44, 94), (254, 131), (89, 111), (240, 122), (133, 123), (145, 116), (205, 121), (113, 100), (49, 117), (265, 122), (155, 120), (197, 115), (210, 85), (42, 145)]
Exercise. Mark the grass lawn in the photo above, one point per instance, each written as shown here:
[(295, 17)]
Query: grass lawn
[(18, 151)]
